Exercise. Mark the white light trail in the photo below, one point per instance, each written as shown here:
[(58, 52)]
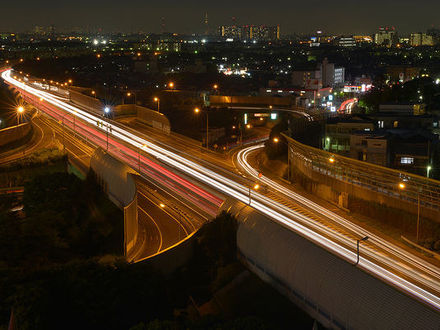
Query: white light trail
[(380, 242), (277, 212)]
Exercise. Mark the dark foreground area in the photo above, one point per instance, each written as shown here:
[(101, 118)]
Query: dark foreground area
[(61, 267)]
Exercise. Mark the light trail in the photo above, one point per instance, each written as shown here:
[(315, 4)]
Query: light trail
[(347, 105), (380, 242), (276, 211)]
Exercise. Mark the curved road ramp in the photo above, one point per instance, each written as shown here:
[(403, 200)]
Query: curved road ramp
[(117, 181), (332, 290), (142, 233)]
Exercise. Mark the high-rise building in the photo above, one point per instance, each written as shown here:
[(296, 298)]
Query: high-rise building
[(421, 39), (230, 31), (346, 41), (435, 34), (331, 75), (385, 37), (39, 30), (250, 32), (325, 75)]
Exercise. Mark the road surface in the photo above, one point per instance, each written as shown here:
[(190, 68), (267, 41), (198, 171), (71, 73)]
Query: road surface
[(420, 280)]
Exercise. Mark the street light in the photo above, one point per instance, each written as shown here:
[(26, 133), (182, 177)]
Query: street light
[(277, 140), (255, 187), (171, 84), (129, 95), (357, 250), (94, 94), (428, 169), (197, 110), (20, 110), (156, 99), (402, 186), (331, 159), (106, 112)]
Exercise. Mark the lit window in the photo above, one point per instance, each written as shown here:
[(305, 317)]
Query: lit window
[(396, 124), (407, 160)]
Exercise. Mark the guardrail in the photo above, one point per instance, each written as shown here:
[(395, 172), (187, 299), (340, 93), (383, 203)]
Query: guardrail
[(394, 183)]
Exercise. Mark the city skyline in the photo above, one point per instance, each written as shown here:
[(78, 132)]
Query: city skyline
[(336, 17)]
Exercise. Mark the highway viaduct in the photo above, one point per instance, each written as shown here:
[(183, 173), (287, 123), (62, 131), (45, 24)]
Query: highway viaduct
[(274, 244)]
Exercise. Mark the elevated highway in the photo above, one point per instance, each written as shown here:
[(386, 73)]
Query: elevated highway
[(416, 279)]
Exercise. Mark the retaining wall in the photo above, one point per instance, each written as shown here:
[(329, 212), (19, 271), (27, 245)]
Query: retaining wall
[(15, 134)]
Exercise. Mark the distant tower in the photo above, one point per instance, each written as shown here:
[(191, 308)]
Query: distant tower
[(162, 24), (206, 24)]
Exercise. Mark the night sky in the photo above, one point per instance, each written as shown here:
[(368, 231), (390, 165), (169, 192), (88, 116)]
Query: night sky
[(337, 16)]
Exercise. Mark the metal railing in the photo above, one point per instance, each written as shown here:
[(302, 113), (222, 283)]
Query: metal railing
[(398, 184)]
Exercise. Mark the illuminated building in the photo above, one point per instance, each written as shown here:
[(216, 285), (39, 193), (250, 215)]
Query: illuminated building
[(250, 32), (421, 39), (385, 37), (347, 41)]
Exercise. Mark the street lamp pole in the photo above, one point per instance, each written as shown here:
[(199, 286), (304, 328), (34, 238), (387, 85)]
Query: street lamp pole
[(107, 136), (207, 128), (139, 160), (357, 250), (418, 217), (156, 99), (276, 140), (74, 124), (256, 186), (402, 186), (64, 144), (20, 110)]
